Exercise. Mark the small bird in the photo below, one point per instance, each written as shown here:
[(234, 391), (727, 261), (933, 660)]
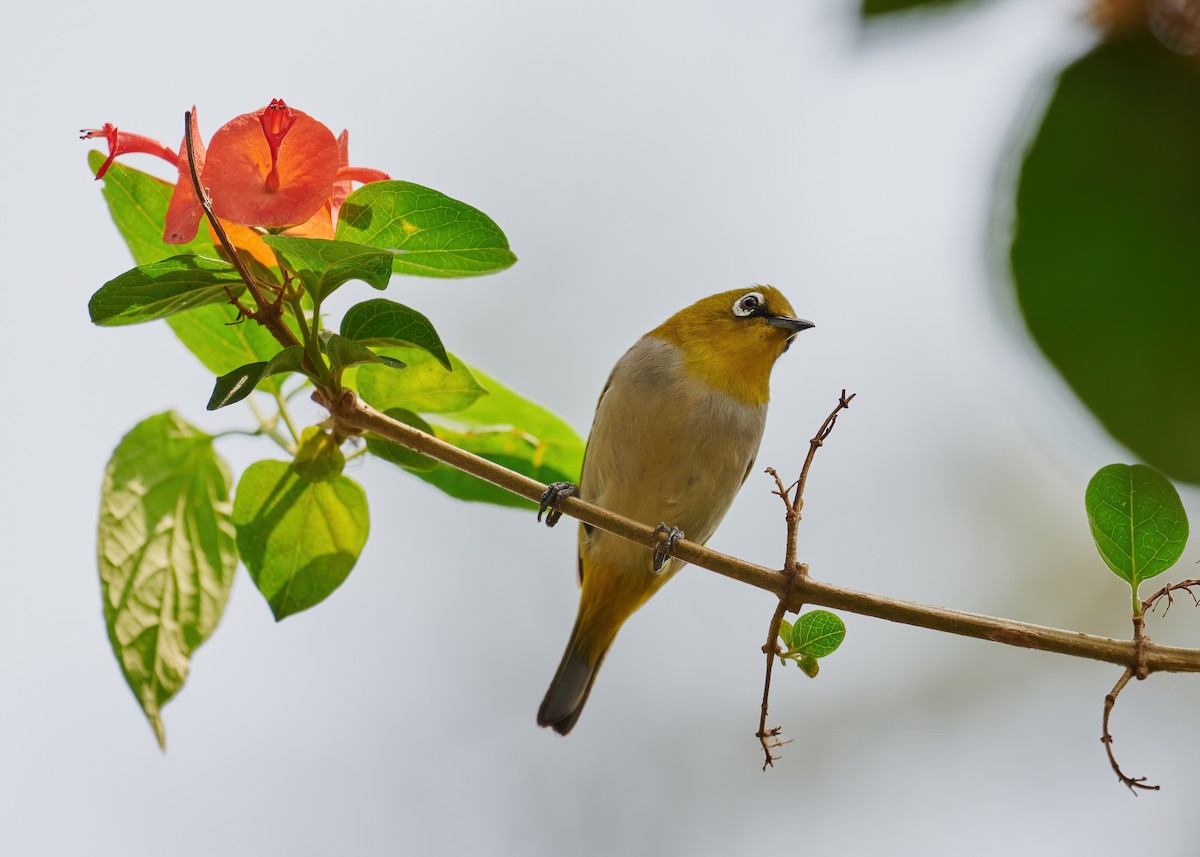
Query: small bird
[(675, 435)]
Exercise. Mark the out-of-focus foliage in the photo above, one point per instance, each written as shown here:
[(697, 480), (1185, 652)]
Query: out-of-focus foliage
[(1106, 248), (874, 8), (1105, 255)]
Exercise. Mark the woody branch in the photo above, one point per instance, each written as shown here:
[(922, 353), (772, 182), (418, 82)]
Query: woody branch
[(353, 416)]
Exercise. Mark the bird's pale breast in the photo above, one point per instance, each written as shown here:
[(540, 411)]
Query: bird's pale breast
[(664, 447)]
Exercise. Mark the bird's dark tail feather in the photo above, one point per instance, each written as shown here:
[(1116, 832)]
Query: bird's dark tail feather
[(569, 690)]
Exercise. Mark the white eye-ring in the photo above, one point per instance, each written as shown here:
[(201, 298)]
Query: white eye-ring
[(748, 304)]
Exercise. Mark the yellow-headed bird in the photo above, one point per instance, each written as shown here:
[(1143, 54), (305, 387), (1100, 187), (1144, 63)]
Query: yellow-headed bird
[(675, 435)]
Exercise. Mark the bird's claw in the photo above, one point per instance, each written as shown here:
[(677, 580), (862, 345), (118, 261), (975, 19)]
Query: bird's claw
[(554, 494), (662, 552)]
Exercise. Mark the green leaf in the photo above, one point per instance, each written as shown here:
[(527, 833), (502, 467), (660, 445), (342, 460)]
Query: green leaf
[(428, 233), (510, 448), (222, 344), (1105, 256), (503, 408), (809, 665), (323, 265), (384, 322), (785, 633), (299, 539), (137, 202), (165, 553), (1137, 521), (510, 430), (319, 457), (343, 352), (818, 633), (159, 289), (138, 205), (240, 383), (425, 386), (401, 455), (501, 426)]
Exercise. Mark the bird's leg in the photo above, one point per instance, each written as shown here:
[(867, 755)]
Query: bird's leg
[(663, 552), (554, 494)]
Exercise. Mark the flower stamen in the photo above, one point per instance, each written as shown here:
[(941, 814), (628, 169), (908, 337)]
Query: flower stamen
[(124, 143), (277, 119)]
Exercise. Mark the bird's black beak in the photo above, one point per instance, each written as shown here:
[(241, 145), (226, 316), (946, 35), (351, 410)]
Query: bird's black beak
[(793, 324)]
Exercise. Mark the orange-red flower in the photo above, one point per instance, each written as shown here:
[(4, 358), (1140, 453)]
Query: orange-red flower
[(273, 168)]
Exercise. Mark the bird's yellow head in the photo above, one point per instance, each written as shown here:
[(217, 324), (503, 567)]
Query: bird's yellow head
[(731, 340)]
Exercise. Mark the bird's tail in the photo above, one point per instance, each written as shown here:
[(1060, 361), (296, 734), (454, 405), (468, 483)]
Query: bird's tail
[(571, 685), (609, 597)]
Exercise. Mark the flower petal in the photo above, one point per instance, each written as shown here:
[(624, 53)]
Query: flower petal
[(239, 162), (183, 211)]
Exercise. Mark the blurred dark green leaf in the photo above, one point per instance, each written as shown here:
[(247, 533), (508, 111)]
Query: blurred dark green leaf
[(428, 233), (299, 539), (785, 633), (166, 554), (384, 322), (875, 8), (1137, 520), (323, 265), (1106, 252)]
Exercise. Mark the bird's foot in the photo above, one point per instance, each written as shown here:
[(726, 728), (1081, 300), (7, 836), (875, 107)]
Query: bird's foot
[(554, 494), (663, 551)]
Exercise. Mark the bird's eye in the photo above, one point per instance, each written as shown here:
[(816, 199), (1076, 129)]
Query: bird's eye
[(747, 304)]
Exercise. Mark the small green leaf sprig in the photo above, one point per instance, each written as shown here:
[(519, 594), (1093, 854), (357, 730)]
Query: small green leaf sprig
[(815, 635), (1140, 529)]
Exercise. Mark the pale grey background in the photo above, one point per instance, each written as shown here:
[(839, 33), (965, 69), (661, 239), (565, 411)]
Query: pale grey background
[(639, 155)]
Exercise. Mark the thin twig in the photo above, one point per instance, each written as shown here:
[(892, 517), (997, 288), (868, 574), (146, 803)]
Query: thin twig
[(791, 516), (1186, 585), (769, 738), (1139, 670), (1133, 783), (354, 416), (815, 444), (793, 571)]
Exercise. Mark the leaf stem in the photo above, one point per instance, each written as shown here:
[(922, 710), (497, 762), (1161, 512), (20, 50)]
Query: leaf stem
[(309, 334), (269, 427), (281, 403)]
